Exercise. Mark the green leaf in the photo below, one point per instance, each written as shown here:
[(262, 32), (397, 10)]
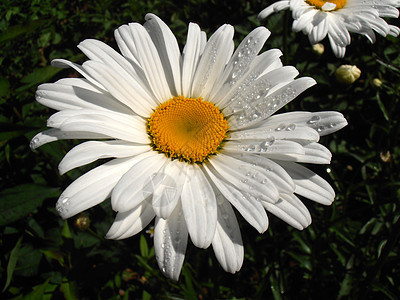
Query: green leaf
[(38, 75), (19, 201), (17, 30), (12, 262), (69, 290), (38, 291), (4, 87), (144, 248)]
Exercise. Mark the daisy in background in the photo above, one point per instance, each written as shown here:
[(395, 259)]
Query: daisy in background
[(191, 136), (336, 18)]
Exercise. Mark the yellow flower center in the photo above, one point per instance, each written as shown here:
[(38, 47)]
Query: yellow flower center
[(187, 129), (319, 3)]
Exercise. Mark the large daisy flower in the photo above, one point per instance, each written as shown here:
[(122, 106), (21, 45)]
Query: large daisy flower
[(188, 137), (335, 18)]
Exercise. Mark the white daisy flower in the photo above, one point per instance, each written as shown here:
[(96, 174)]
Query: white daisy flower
[(190, 135), (336, 18)]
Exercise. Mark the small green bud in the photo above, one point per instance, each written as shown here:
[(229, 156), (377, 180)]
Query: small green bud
[(347, 74)]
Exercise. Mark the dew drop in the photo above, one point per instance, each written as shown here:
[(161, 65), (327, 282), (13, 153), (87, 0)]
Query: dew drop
[(313, 120), (267, 143), (280, 127), (163, 246), (321, 128), (291, 127)]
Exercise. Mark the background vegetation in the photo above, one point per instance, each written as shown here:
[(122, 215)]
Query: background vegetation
[(350, 251)]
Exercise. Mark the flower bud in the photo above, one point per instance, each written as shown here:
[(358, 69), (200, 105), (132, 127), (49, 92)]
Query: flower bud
[(376, 83), (82, 222), (318, 49), (347, 74)]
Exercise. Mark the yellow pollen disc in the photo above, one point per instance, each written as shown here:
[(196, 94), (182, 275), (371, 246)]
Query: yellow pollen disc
[(187, 129), (319, 3)]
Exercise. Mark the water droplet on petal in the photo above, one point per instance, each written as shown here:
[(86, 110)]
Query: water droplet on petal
[(291, 127), (313, 120), (280, 127)]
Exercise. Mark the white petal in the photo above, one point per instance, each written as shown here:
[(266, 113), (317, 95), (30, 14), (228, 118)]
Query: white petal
[(262, 64), (91, 151), (273, 8), (290, 132), (190, 57), (168, 189), (273, 171), (63, 63), (126, 45), (291, 210), (199, 207), (250, 208), (274, 101), (309, 184), (212, 61), (138, 183), (150, 61), (241, 61), (127, 90), (60, 96), (321, 27), (108, 123), (277, 149), (168, 50), (227, 242), (170, 240), (101, 52), (324, 122), (259, 90), (93, 187), (55, 134), (131, 222), (249, 179)]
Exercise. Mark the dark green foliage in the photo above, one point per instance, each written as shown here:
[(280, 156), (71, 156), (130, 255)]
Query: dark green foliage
[(350, 251)]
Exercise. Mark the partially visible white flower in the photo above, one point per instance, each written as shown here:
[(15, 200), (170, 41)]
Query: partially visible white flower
[(191, 136), (336, 18), (347, 74)]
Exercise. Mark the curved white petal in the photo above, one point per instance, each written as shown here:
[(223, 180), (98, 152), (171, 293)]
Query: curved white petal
[(108, 123), (324, 122), (63, 63), (79, 94), (131, 222), (212, 61), (246, 177), (308, 184), (150, 61), (127, 90), (241, 61), (138, 183), (291, 210), (273, 171), (91, 151), (170, 240), (227, 242), (274, 101), (250, 208), (199, 207), (93, 187), (168, 189), (55, 134), (273, 8), (168, 50), (190, 57)]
